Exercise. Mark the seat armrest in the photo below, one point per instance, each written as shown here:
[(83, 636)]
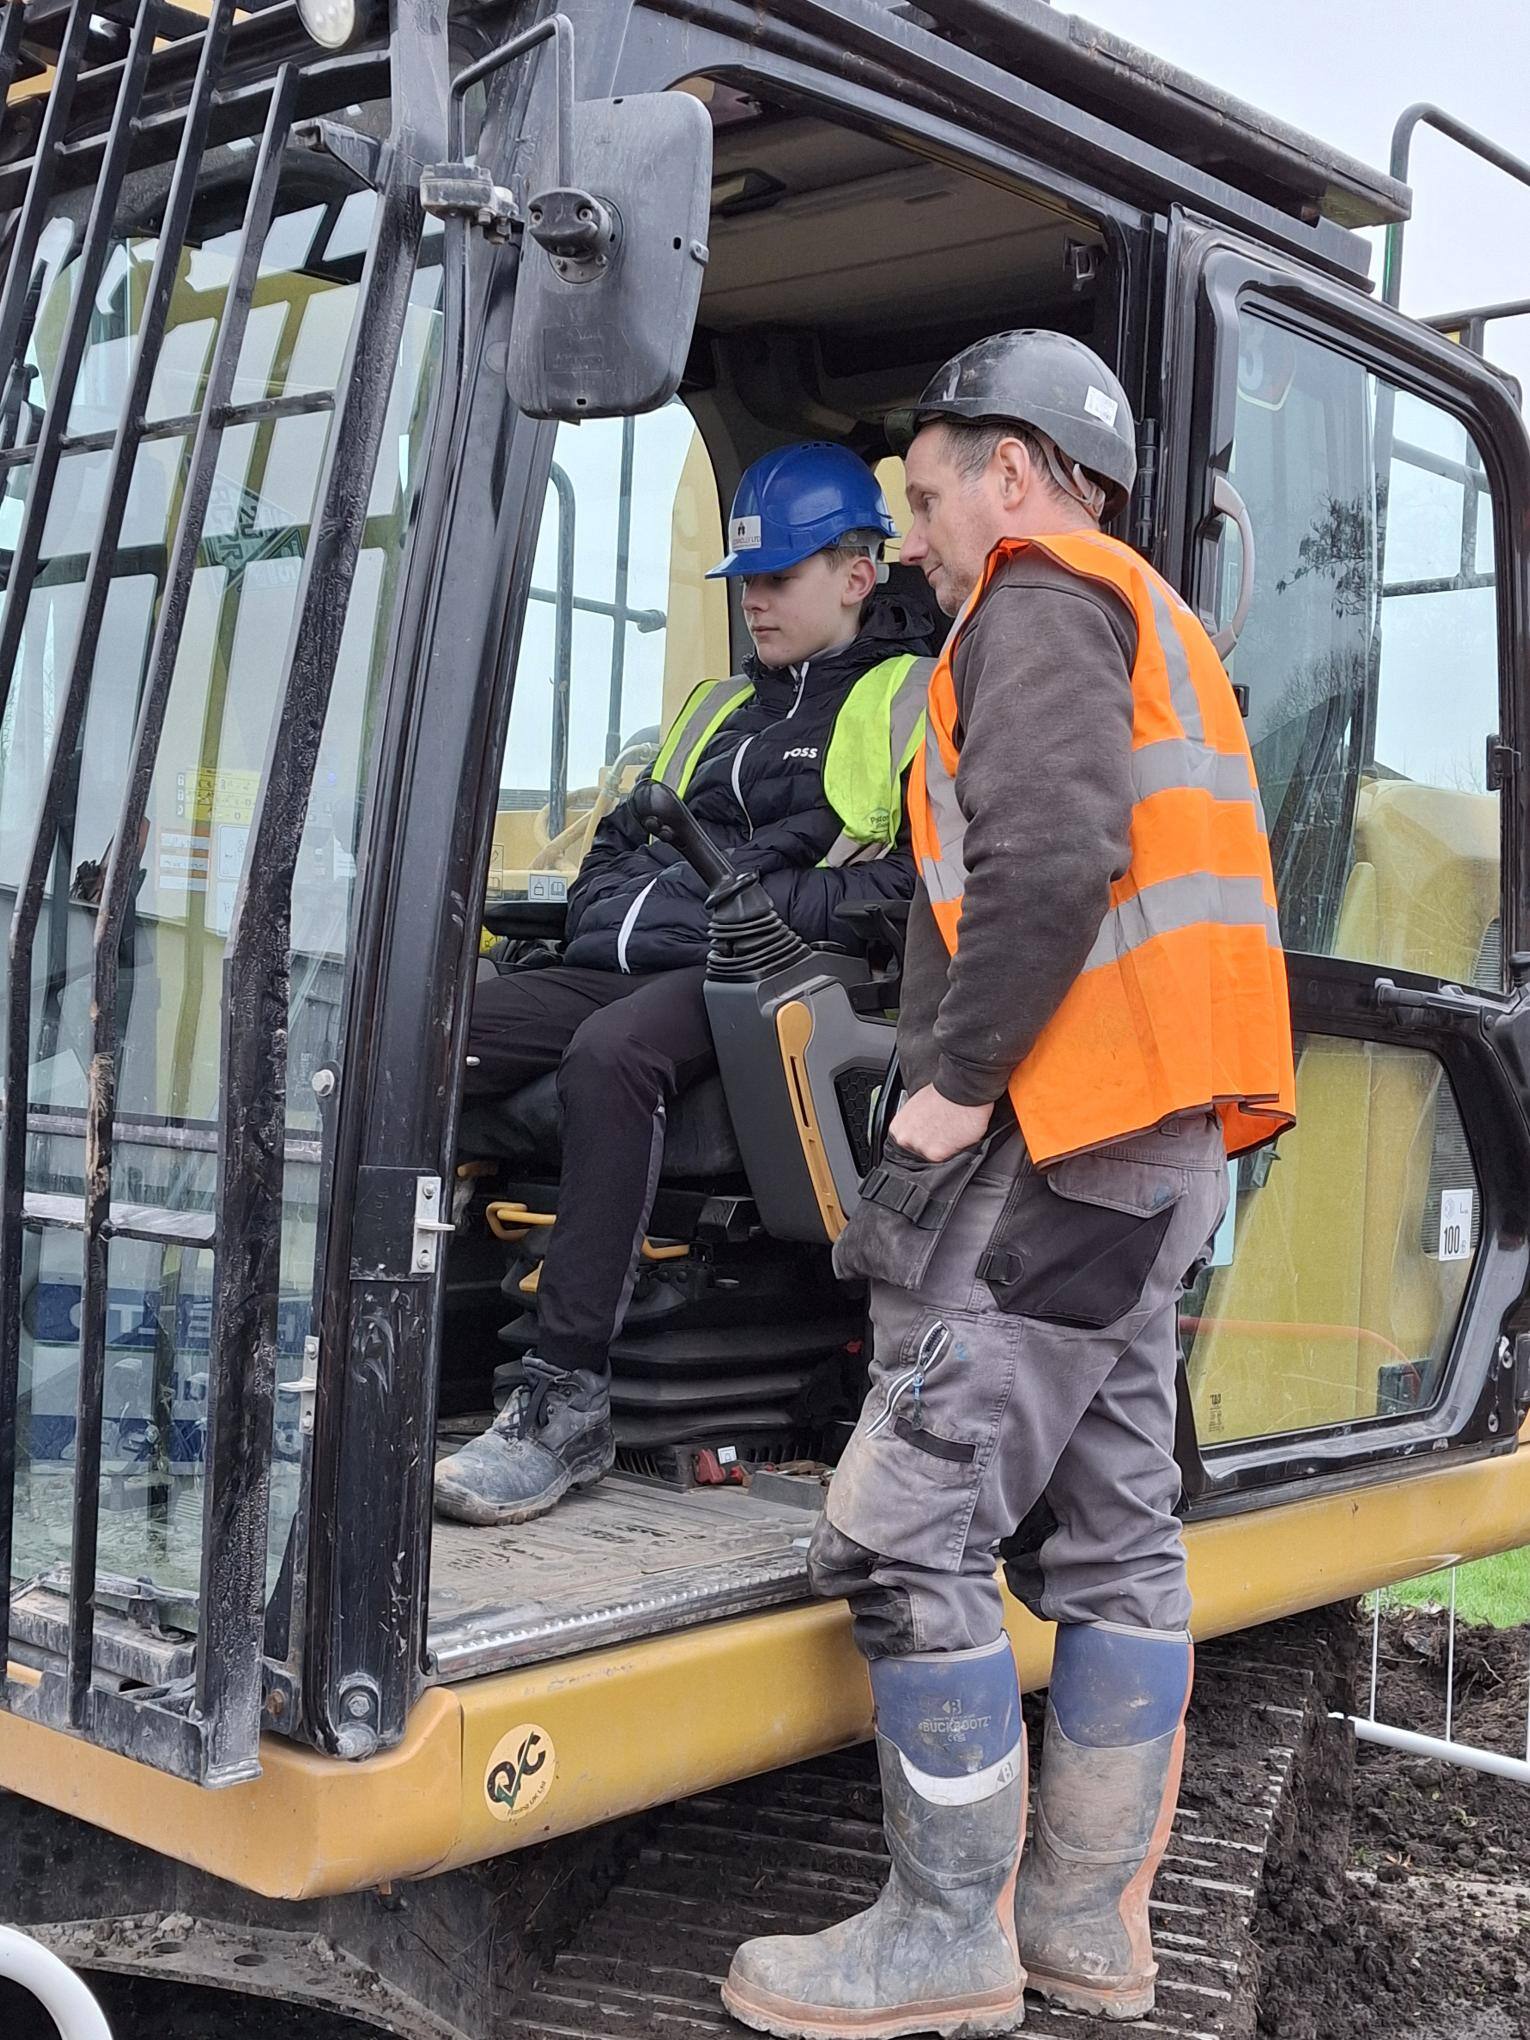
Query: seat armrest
[(879, 921), (526, 920), (871, 915)]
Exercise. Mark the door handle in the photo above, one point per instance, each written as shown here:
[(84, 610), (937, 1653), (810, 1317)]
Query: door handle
[(1226, 502), (1408, 1000)]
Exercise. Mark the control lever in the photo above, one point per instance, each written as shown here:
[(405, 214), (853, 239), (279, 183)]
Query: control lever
[(664, 814), (749, 940)]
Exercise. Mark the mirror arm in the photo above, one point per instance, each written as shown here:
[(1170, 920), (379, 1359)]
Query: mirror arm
[(576, 229), (561, 29)]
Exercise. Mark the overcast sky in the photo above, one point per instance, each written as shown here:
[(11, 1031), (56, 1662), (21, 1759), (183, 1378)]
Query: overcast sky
[(1344, 70)]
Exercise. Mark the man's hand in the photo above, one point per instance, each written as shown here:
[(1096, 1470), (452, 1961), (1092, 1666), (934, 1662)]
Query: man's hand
[(929, 1125)]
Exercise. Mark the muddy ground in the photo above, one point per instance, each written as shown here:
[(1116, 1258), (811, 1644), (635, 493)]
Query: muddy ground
[(1398, 1907), (1402, 1909)]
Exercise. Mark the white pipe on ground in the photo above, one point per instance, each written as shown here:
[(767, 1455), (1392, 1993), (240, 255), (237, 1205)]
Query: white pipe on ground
[(1434, 1746), (55, 1986)]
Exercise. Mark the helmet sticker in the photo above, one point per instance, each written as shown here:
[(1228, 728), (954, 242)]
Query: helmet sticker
[(1101, 406), (744, 534)]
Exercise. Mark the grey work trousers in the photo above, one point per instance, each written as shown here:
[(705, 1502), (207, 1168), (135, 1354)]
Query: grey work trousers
[(1050, 1374)]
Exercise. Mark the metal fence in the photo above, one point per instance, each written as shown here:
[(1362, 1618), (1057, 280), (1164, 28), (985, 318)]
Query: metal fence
[(1421, 1741)]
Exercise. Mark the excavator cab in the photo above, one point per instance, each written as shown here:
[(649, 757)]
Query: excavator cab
[(354, 559)]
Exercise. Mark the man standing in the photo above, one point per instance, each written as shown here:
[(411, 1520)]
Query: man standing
[(1095, 1016)]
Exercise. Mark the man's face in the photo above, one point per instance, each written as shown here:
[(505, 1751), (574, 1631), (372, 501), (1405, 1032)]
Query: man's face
[(806, 609), (957, 519)]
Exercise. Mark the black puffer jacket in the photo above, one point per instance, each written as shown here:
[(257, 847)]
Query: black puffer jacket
[(758, 792)]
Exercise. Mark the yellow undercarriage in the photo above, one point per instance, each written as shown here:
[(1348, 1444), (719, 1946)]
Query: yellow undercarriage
[(566, 1745)]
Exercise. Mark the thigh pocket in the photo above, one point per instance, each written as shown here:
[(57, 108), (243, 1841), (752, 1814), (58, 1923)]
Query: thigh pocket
[(907, 1484), (1077, 1244), (906, 1204)]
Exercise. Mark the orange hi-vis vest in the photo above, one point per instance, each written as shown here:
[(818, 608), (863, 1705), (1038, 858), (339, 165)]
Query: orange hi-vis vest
[(1182, 1000)]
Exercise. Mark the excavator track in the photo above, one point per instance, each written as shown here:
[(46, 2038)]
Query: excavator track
[(795, 1850)]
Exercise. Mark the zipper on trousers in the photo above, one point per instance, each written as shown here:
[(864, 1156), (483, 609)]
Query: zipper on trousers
[(932, 1350)]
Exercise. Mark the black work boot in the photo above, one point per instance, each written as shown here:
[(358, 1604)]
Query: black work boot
[(1110, 1768), (936, 1953), (554, 1433)]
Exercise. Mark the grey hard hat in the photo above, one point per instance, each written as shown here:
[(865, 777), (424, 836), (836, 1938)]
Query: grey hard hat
[(1054, 384)]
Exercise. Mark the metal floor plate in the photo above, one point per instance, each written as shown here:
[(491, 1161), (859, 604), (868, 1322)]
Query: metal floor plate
[(627, 1558)]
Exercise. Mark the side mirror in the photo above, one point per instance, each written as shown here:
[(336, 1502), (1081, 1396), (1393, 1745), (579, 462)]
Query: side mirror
[(612, 260)]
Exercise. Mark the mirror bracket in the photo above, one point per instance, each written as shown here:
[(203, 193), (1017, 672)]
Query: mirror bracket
[(580, 233), (459, 191), (365, 156)]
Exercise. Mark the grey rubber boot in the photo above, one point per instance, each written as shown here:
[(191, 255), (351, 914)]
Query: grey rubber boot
[(1110, 1769), (554, 1433), (936, 1953)]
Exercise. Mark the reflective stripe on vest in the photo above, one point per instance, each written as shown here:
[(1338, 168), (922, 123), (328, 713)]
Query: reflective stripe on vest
[(1181, 1000), (705, 710), (874, 740), (873, 743)]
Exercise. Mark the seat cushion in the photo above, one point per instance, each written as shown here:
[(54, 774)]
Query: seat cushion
[(526, 1129)]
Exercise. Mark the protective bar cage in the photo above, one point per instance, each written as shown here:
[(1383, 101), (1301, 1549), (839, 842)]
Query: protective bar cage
[(135, 82)]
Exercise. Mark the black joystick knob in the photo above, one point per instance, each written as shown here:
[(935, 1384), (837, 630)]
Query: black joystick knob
[(749, 940), (665, 815)]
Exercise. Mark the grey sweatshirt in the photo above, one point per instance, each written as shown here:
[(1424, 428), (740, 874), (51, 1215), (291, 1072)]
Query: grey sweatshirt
[(1043, 689)]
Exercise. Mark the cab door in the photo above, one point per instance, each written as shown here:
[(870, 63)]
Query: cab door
[(1348, 495)]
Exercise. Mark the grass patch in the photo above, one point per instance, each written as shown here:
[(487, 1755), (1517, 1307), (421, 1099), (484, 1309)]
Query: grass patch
[(1494, 1590)]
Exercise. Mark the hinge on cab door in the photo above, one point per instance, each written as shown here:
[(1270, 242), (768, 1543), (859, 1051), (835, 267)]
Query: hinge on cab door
[(1502, 763), (1145, 494)]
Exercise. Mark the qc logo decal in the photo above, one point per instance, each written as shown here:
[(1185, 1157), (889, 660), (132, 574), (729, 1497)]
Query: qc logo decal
[(522, 1766)]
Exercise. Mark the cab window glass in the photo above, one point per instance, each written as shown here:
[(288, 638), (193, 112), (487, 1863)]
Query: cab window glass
[(1339, 1273), (1370, 659), (621, 624)]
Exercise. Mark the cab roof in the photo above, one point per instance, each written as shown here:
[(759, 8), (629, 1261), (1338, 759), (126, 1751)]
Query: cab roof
[(1156, 102)]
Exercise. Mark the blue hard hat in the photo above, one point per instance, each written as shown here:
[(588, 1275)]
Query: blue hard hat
[(794, 502)]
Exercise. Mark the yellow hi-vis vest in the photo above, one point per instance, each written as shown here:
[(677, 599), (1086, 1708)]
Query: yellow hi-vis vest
[(1182, 1000), (876, 736)]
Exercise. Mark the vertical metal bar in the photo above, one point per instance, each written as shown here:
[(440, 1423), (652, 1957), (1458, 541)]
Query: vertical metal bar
[(88, 268), (45, 162), (257, 973), (1450, 1659), (10, 49), (1471, 501), (563, 657), (619, 592), (122, 862), (117, 891), (1375, 1648), (122, 858), (13, 1131), (1424, 115), (52, 819)]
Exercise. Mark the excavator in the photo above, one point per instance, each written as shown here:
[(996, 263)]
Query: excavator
[(371, 380)]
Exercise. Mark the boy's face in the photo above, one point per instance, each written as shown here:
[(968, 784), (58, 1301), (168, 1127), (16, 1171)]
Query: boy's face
[(806, 609)]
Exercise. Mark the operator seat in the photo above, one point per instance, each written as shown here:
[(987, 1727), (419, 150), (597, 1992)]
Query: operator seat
[(525, 1130)]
